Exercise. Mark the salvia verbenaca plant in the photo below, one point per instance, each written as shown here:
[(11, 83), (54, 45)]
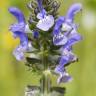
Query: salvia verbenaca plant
[(46, 39)]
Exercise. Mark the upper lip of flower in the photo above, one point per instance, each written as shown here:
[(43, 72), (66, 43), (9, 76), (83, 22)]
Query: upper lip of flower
[(73, 10), (18, 14), (20, 26)]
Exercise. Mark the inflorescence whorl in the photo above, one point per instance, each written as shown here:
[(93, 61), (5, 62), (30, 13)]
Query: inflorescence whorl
[(46, 37)]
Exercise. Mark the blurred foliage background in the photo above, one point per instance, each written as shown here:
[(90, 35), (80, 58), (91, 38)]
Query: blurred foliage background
[(14, 75)]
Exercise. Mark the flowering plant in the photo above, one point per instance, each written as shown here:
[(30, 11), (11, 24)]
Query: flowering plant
[(46, 40)]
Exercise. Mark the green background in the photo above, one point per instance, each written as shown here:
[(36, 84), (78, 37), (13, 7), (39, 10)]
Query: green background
[(14, 75)]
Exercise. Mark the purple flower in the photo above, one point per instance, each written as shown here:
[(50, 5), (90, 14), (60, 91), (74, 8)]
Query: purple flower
[(65, 27), (65, 35), (18, 30), (45, 21), (66, 57)]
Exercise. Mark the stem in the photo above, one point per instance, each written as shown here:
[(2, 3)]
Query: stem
[(45, 84), (45, 80)]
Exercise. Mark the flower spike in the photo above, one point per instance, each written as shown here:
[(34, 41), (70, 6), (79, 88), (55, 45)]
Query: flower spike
[(46, 37)]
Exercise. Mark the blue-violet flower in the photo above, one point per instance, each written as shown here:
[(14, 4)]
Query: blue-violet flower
[(45, 21), (18, 30)]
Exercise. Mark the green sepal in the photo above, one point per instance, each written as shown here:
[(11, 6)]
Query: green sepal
[(33, 60)]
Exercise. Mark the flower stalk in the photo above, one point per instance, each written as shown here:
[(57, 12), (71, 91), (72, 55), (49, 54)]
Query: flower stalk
[(45, 81)]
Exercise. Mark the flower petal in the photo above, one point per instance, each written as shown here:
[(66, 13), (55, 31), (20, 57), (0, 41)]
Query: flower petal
[(73, 10), (46, 23)]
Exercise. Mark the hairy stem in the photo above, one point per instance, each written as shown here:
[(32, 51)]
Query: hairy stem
[(45, 80)]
